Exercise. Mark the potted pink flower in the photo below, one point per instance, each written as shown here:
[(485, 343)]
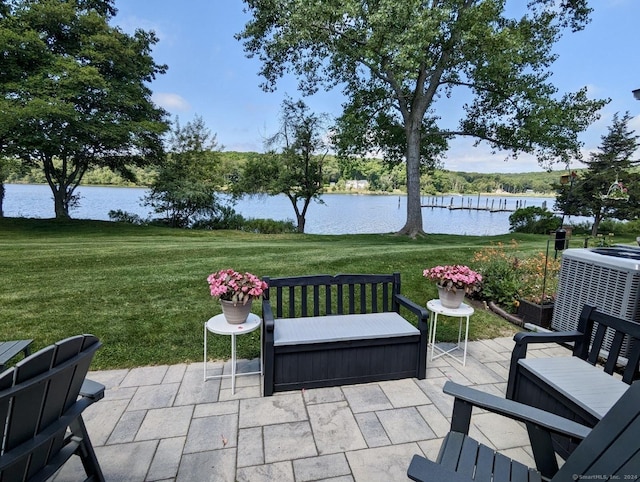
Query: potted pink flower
[(236, 292), (453, 281)]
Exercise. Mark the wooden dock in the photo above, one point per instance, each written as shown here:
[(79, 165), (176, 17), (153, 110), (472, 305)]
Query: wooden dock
[(454, 203)]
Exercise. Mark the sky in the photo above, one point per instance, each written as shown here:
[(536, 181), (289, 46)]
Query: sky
[(210, 76)]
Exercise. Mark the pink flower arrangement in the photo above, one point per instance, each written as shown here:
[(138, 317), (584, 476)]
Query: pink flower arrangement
[(454, 277), (231, 285)]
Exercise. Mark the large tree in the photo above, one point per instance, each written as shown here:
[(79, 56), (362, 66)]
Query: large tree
[(74, 92), (607, 188), (189, 180), (293, 165), (401, 61)]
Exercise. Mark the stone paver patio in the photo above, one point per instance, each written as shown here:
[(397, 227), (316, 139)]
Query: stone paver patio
[(164, 423)]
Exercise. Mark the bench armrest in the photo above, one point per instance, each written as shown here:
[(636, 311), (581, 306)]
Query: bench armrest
[(267, 316), (92, 390), (421, 312)]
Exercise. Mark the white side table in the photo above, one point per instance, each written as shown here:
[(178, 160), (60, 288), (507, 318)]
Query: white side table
[(219, 325), (464, 311)]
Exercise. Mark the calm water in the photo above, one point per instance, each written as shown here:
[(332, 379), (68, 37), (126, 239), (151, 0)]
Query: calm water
[(340, 213)]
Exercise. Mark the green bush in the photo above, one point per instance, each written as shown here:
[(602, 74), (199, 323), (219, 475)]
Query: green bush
[(534, 220)]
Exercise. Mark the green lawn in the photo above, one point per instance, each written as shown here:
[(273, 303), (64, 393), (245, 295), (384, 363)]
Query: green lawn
[(143, 290)]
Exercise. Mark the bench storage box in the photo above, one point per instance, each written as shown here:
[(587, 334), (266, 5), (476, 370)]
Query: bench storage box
[(337, 330)]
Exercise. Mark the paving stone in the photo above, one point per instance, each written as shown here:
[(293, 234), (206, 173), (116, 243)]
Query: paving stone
[(430, 448), (334, 428), (154, 396), (484, 352), (372, 430), (195, 390), (212, 433), (435, 419), (366, 398), (280, 471), (520, 455), (165, 423), (501, 369), (458, 376), (250, 447), (241, 393), (322, 467), (119, 463), (382, 464), (144, 376), (216, 408), (109, 378), (119, 393), (213, 466), (175, 373), (404, 393), (288, 407), (404, 425), (322, 395), (503, 432), (506, 342), (166, 461), (287, 441), (101, 419), (432, 387), (127, 428), (475, 372)]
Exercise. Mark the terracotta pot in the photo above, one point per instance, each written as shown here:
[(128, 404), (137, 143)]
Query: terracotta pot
[(236, 313), (449, 298)]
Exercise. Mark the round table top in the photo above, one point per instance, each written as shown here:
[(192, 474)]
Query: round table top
[(436, 307), (219, 325)]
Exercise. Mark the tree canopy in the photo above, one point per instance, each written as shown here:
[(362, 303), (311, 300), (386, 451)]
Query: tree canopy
[(293, 166), (607, 188), (189, 181), (401, 62), (74, 93)]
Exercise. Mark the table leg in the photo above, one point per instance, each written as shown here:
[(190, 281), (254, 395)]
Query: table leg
[(205, 352), (434, 325), (466, 339), (233, 364)]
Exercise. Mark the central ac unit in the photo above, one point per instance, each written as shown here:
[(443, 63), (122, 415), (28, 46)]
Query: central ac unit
[(607, 278)]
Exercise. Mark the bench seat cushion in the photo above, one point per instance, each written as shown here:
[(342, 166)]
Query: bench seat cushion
[(333, 328), (587, 386)]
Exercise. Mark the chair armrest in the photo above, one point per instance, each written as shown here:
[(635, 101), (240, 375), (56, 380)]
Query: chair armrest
[(92, 390), (267, 316), (467, 398), (421, 312)]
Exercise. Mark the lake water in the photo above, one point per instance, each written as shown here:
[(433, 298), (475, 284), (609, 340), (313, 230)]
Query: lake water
[(340, 213)]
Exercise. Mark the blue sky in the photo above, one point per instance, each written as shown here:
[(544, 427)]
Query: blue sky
[(210, 76)]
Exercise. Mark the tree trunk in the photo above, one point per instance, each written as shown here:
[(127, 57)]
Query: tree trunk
[(596, 224), (2, 199), (60, 202), (413, 226)]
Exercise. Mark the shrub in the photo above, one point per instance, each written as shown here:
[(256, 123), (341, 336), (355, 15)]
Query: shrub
[(534, 220), (509, 277)]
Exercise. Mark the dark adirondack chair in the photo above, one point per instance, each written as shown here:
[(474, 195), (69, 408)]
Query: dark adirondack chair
[(41, 403), (611, 450)]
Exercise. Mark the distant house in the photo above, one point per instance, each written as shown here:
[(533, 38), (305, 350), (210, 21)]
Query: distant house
[(357, 184)]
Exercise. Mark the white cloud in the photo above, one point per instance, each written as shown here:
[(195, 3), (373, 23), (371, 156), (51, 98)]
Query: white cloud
[(171, 102)]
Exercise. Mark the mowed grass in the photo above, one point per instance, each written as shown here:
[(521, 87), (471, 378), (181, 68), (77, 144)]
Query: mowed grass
[(143, 290)]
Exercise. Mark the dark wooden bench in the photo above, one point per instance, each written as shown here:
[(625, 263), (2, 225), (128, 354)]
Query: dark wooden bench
[(577, 387), (41, 403), (327, 330), (9, 349)]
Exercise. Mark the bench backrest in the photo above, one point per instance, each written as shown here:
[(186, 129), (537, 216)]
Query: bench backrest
[(597, 328), (34, 396), (319, 295)]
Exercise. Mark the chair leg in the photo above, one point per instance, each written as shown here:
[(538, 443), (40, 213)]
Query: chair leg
[(85, 450)]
